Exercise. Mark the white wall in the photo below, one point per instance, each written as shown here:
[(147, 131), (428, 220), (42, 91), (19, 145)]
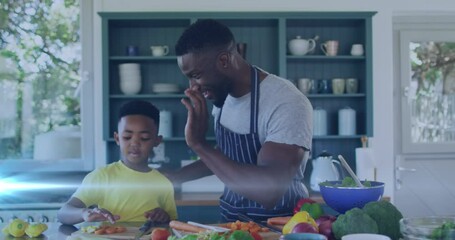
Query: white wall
[(383, 141)]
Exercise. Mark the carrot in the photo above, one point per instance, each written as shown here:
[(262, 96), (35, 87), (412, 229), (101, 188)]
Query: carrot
[(278, 220), (111, 230), (177, 225), (120, 229)]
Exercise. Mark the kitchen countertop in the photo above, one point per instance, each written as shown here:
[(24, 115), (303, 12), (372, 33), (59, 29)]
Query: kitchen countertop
[(58, 231)]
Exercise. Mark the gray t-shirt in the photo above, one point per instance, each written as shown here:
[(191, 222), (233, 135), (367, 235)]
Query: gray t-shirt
[(285, 114)]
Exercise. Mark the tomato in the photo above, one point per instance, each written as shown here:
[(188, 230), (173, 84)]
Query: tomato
[(160, 234)]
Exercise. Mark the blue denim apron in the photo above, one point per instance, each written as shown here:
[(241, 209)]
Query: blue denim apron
[(244, 148)]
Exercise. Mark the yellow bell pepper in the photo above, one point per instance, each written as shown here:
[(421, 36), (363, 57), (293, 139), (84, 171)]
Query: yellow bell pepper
[(17, 227), (34, 230), (299, 217)]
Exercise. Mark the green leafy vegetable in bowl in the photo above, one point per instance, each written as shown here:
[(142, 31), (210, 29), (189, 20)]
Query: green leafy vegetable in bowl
[(346, 182), (444, 231)]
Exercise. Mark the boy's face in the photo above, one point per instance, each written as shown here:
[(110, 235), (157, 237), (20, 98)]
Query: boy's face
[(137, 135)]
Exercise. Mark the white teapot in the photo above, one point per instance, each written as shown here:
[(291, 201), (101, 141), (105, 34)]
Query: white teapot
[(324, 170), (299, 46)]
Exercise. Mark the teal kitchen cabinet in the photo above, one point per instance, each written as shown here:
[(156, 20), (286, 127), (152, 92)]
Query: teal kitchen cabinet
[(266, 35)]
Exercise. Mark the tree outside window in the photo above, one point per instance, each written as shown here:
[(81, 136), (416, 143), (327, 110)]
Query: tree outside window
[(40, 56)]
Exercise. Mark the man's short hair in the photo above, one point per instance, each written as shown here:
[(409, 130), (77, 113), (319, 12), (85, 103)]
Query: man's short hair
[(140, 107), (203, 34)]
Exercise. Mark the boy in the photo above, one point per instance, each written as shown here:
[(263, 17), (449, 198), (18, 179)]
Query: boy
[(127, 190)]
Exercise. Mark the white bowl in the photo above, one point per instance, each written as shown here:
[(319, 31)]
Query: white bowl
[(364, 236), (165, 88)]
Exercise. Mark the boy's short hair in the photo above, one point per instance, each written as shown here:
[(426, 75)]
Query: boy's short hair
[(202, 34), (140, 107)]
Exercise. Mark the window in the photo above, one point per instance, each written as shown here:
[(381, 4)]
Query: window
[(427, 78), (46, 97)]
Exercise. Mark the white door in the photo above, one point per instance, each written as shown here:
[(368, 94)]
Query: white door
[(425, 115)]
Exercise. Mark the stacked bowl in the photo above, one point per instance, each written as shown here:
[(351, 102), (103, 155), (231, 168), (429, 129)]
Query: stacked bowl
[(130, 78)]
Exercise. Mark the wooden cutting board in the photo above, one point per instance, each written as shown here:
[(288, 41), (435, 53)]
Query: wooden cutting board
[(264, 235), (128, 234)]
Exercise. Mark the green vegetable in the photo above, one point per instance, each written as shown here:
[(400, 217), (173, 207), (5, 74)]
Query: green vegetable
[(314, 209), (353, 221), (240, 235), (201, 236), (443, 232), (386, 216), (346, 182)]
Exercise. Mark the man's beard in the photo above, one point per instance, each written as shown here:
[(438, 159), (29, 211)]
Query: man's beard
[(221, 98)]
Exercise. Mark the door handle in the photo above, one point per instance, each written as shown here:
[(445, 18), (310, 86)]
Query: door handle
[(398, 170), (406, 169)]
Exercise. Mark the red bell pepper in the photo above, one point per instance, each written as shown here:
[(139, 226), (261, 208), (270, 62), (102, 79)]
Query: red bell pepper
[(299, 204), (310, 206)]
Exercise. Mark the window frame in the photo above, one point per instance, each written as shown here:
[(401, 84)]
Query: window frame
[(86, 95), (409, 29)]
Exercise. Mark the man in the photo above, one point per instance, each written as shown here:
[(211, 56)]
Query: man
[(263, 126)]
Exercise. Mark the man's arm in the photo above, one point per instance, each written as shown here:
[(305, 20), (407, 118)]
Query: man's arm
[(193, 171), (265, 183)]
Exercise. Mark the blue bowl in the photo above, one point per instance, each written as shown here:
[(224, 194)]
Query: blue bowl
[(342, 199)]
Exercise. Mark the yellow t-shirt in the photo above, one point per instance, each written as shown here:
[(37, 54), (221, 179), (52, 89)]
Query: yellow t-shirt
[(126, 192)]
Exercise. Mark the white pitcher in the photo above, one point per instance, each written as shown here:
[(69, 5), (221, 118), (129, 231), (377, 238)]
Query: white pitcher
[(300, 46), (324, 170)]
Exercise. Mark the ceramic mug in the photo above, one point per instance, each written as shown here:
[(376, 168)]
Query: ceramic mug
[(330, 48), (357, 50), (323, 86), (158, 51), (338, 85), (352, 85), (304, 85)]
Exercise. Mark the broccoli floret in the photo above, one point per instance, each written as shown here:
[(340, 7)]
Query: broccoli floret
[(387, 216), (353, 221), (348, 182)]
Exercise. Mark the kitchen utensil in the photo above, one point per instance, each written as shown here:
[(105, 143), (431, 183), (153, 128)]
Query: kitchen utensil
[(324, 170), (165, 88), (245, 218), (424, 227), (159, 51), (177, 233), (299, 46), (346, 121), (210, 227), (330, 48), (319, 122), (357, 50), (324, 86), (342, 199), (304, 236), (130, 78), (144, 229), (352, 85), (165, 128), (364, 236), (346, 165), (338, 85), (304, 85)]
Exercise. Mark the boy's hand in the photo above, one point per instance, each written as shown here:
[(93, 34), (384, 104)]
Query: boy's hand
[(98, 215), (157, 215)]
